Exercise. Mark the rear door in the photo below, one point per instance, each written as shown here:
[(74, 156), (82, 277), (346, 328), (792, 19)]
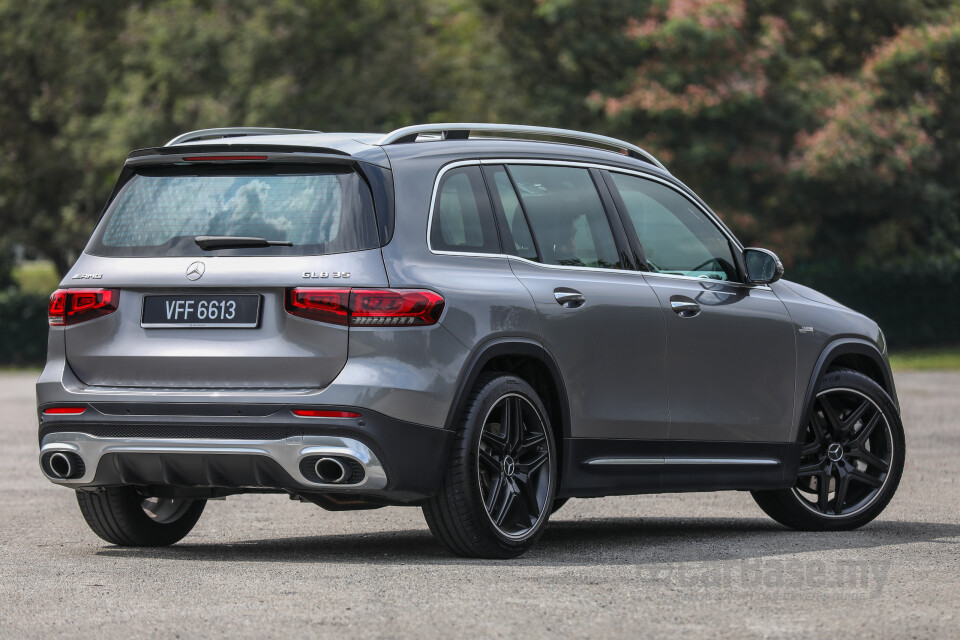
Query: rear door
[(600, 320), (731, 357), (195, 318)]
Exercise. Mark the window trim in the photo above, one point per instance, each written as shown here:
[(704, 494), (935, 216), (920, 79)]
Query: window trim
[(738, 246)]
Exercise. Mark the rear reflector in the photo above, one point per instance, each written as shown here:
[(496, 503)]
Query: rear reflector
[(315, 413), (366, 307), (72, 411), (73, 306), (222, 158)]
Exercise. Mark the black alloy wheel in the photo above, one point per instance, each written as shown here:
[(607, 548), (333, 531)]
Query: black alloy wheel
[(513, 473), (501, 477), (846, 455), (852, 452)]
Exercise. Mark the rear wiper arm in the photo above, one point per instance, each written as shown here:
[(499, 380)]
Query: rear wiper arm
[(237, 242)]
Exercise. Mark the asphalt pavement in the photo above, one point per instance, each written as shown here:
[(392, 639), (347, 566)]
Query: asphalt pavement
[(682, 566)]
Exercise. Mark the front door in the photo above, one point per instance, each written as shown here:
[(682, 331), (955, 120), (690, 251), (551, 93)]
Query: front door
[(731, 355)]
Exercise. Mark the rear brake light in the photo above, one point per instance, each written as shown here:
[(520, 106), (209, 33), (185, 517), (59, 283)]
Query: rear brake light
[(222, 158), (366, 307), (316, 413), (323, 305), (72, 411), (73, 306)]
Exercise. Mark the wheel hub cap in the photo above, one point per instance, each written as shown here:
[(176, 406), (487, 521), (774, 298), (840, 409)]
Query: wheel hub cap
[(509, 466), (835, 452)]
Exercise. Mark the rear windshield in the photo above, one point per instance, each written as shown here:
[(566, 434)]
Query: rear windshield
[(160, 211)]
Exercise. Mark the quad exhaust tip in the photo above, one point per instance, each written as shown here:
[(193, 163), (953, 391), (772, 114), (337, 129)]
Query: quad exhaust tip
[(331, 470)]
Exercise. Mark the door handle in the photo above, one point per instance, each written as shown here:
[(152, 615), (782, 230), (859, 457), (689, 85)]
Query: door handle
[(568, 298), (684, 307)]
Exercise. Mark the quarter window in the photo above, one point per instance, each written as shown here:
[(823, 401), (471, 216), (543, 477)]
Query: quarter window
[(566, 215), (463, 218), (676, 237)]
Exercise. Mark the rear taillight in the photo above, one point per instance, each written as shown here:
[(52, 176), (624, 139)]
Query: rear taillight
[(73, 306), (323, 305), (366, 307)]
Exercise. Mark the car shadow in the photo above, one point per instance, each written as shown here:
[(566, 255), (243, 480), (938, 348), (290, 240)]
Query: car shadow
[(594, 541)]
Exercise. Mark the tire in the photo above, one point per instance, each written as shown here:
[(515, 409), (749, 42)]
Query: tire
[(122, 516), (853, 449), (557, 504), (513, 471)]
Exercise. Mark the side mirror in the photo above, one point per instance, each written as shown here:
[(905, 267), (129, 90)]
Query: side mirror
[(763, 266)]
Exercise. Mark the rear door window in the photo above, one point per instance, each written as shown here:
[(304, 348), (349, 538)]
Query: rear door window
[(160, 211), (566, 216)]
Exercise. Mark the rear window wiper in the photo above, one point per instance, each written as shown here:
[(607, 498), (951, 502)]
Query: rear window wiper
[(237, 242)]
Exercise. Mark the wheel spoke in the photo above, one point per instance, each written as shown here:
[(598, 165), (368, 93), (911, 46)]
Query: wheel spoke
[(871, 460), (841, 494), (527, 469), (833, 420), (867, 430), (515, 434), (494, 493), (823, 492), (851, 420), (819, 430), (860, 476), (487, 459), (495, 442), (529, 507), (530, 440), (807, 470), (509, 497)]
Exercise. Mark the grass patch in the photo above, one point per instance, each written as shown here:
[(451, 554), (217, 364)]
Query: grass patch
[(939, 359), (36, 276)]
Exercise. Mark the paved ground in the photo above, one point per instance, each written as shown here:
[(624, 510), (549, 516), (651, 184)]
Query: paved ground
[(684, 566)]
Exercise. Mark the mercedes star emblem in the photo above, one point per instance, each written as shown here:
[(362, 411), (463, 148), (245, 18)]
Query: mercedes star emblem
[(195, 270)]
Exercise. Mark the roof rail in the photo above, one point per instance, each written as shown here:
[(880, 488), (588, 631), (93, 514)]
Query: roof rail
[(232, 132), (462, 131)]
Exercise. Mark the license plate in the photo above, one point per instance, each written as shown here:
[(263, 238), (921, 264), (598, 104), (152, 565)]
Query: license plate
[(201, 311)]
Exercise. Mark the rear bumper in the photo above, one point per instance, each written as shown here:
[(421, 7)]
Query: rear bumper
[(262, 449)]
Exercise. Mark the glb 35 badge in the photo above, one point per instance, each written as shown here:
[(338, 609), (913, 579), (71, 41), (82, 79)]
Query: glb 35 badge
[(326, 274)]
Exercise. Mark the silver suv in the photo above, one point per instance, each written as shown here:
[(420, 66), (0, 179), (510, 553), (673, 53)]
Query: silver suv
[(480, 320)]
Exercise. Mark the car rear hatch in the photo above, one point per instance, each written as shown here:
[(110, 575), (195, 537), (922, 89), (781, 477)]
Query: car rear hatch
[(200, 257)]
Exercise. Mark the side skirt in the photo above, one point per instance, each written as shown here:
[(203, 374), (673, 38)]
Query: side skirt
[(595, 467)]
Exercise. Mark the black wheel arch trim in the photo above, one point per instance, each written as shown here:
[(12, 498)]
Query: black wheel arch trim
[(508, 346), (833, 350)]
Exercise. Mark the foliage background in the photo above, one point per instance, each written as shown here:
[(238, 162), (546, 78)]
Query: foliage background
[(825, 130)]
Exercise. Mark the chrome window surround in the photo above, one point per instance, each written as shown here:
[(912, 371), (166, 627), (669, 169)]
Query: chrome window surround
[(287, 452), (585, 165)]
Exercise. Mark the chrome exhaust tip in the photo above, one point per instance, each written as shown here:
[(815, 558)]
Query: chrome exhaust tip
[(331, 470), (60, 465)]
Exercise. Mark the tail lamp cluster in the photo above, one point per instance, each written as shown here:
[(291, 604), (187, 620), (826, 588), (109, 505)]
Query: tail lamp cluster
[(73, 306), (344, 307), (366, 307)]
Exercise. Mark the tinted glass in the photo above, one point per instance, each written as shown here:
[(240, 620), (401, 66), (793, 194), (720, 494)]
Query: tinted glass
[(159, 212), (462, 216), (676, 236), (517, 232), (566, 214)]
